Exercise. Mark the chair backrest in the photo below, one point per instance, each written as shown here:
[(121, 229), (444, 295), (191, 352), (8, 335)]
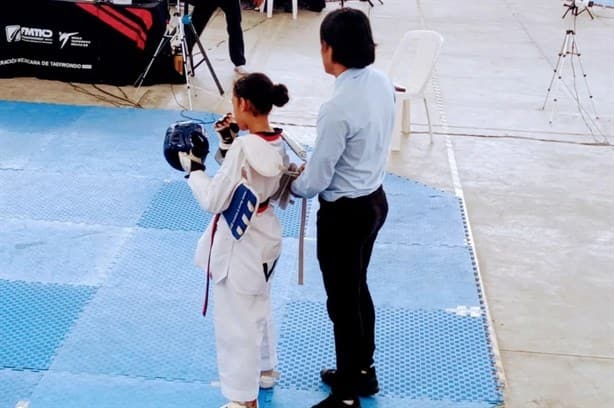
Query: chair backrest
[(414, 60)]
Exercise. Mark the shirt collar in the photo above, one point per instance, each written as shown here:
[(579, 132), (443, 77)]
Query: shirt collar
[(347, 75), (270, 136)]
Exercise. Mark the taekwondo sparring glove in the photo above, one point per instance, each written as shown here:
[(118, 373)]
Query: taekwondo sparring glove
[(200, 147), (195, 159), (190, 139), (227, 131)]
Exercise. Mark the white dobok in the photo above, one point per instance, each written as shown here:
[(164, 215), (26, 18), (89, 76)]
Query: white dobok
[(244, 334)]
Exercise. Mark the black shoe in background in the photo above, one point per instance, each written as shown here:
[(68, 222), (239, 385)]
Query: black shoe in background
[(333, 402), (367, 381)]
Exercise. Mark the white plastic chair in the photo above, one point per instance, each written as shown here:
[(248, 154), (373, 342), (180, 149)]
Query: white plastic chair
[(269, 8), (411, 69)]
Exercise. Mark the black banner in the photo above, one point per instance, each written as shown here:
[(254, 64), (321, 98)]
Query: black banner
[(84, 41)]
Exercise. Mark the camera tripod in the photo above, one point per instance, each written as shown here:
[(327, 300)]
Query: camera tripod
[(176, 35), (569, 48)]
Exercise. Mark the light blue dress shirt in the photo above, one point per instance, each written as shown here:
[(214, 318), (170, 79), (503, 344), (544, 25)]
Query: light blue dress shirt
[(354, 131)]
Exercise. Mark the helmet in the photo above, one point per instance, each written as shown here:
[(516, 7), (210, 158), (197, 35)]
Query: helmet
[(180, 137)]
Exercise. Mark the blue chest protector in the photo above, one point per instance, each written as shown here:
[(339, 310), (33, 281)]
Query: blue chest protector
[(240, 211)]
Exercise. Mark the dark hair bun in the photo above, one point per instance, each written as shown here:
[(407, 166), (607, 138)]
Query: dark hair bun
[(279, 95), (260, 91)]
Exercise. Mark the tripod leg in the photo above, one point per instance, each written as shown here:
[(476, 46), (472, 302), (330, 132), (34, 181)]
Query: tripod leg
[(576, 52), (185, 62), (557, 85), (163, 42), (205, 59), (557, 68)]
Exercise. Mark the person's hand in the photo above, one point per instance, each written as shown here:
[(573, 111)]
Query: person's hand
[(283, 194), (298, 170), (227, 130)]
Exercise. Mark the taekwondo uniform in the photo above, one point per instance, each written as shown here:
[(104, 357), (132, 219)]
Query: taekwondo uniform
[(241, 268)]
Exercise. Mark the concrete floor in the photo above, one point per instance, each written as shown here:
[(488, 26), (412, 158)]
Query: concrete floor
[(539, 196)]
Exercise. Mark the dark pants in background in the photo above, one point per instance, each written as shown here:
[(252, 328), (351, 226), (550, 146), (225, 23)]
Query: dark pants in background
[(202, 12), (346, 232)]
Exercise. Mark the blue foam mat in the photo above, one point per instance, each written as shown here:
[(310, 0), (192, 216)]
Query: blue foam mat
[(17, 385), (101, 246), (14, 156), (28, 117), (66, 390), (423, 219), (58, 252), (406, 276), (107, 200), (148, 334), (420, 353), (34, 319), (154, 259)]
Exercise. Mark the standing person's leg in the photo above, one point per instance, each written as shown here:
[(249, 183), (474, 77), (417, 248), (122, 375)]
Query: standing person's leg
[(268, 351), (339, 243), (378, 210), (236, 46), (360, 219), (238, 336), (201, 13)]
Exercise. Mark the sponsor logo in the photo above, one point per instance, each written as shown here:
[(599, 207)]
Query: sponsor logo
[(73, 40), (15, 33), (36, 32), (64, 37)]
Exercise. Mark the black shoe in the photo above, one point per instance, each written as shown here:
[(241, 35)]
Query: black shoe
[(333, 402), (367, 381)]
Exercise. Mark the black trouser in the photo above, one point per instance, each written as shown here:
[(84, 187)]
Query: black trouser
[(346, 232), (203, 9)]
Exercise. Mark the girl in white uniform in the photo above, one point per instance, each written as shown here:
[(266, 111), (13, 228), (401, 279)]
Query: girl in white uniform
[(241, 268)]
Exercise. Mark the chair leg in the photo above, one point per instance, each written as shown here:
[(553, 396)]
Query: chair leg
[(269, 8), (294, 9), (428, 119), (395, 144), (406, 116)]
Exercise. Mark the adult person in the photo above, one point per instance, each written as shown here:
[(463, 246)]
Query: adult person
[(201, 13), (241, 259), (346, 170)]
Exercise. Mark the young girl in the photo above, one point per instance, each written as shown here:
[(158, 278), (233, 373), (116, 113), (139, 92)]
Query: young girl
[(241, 258)]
